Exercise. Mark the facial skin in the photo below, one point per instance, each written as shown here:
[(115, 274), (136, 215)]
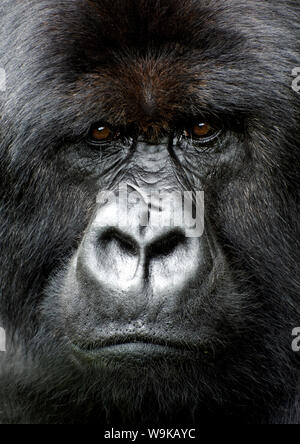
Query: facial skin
[(119, 323)]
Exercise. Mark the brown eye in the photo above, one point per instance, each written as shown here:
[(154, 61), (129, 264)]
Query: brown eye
[(100, 133), (202, 132)]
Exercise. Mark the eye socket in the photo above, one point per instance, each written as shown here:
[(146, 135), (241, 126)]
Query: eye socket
[(100, 133), (203, 132)]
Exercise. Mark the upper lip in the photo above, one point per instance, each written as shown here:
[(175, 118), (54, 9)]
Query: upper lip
[(127, 339)]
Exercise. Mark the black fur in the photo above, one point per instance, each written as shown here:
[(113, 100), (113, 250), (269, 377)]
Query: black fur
[(67, 63)]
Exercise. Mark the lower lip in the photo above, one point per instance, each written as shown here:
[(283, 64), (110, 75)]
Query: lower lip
[(135, 351)]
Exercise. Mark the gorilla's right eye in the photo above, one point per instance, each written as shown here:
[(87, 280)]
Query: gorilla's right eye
[(100, 133), (202, 132)]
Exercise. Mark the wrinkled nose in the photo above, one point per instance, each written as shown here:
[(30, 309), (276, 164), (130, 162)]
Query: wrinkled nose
[(140, 247)]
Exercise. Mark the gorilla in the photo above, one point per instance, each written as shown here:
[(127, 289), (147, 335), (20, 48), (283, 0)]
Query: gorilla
[(115, 322)]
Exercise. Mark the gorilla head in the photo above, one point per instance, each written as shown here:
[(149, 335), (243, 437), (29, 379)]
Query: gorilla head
[(149, 208)]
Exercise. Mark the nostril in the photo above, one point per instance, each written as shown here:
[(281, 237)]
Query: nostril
[(167, 244), (123, 241)]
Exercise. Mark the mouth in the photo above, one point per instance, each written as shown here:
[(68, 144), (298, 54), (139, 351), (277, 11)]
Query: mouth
[(138, 349)]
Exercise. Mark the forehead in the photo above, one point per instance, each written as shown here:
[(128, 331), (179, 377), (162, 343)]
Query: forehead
[(145, 60), (166, 24), (149, 56)]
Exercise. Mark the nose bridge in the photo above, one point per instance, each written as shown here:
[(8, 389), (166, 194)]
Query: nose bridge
[(152, 157)]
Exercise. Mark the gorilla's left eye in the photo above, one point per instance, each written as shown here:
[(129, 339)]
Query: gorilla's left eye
[(203, 132), (100, 133)]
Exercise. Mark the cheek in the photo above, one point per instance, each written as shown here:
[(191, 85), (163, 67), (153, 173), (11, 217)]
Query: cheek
[(83, 163), (208, 166)]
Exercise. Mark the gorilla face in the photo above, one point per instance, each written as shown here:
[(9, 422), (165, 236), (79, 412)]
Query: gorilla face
[(147, 284), (118, 116)]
